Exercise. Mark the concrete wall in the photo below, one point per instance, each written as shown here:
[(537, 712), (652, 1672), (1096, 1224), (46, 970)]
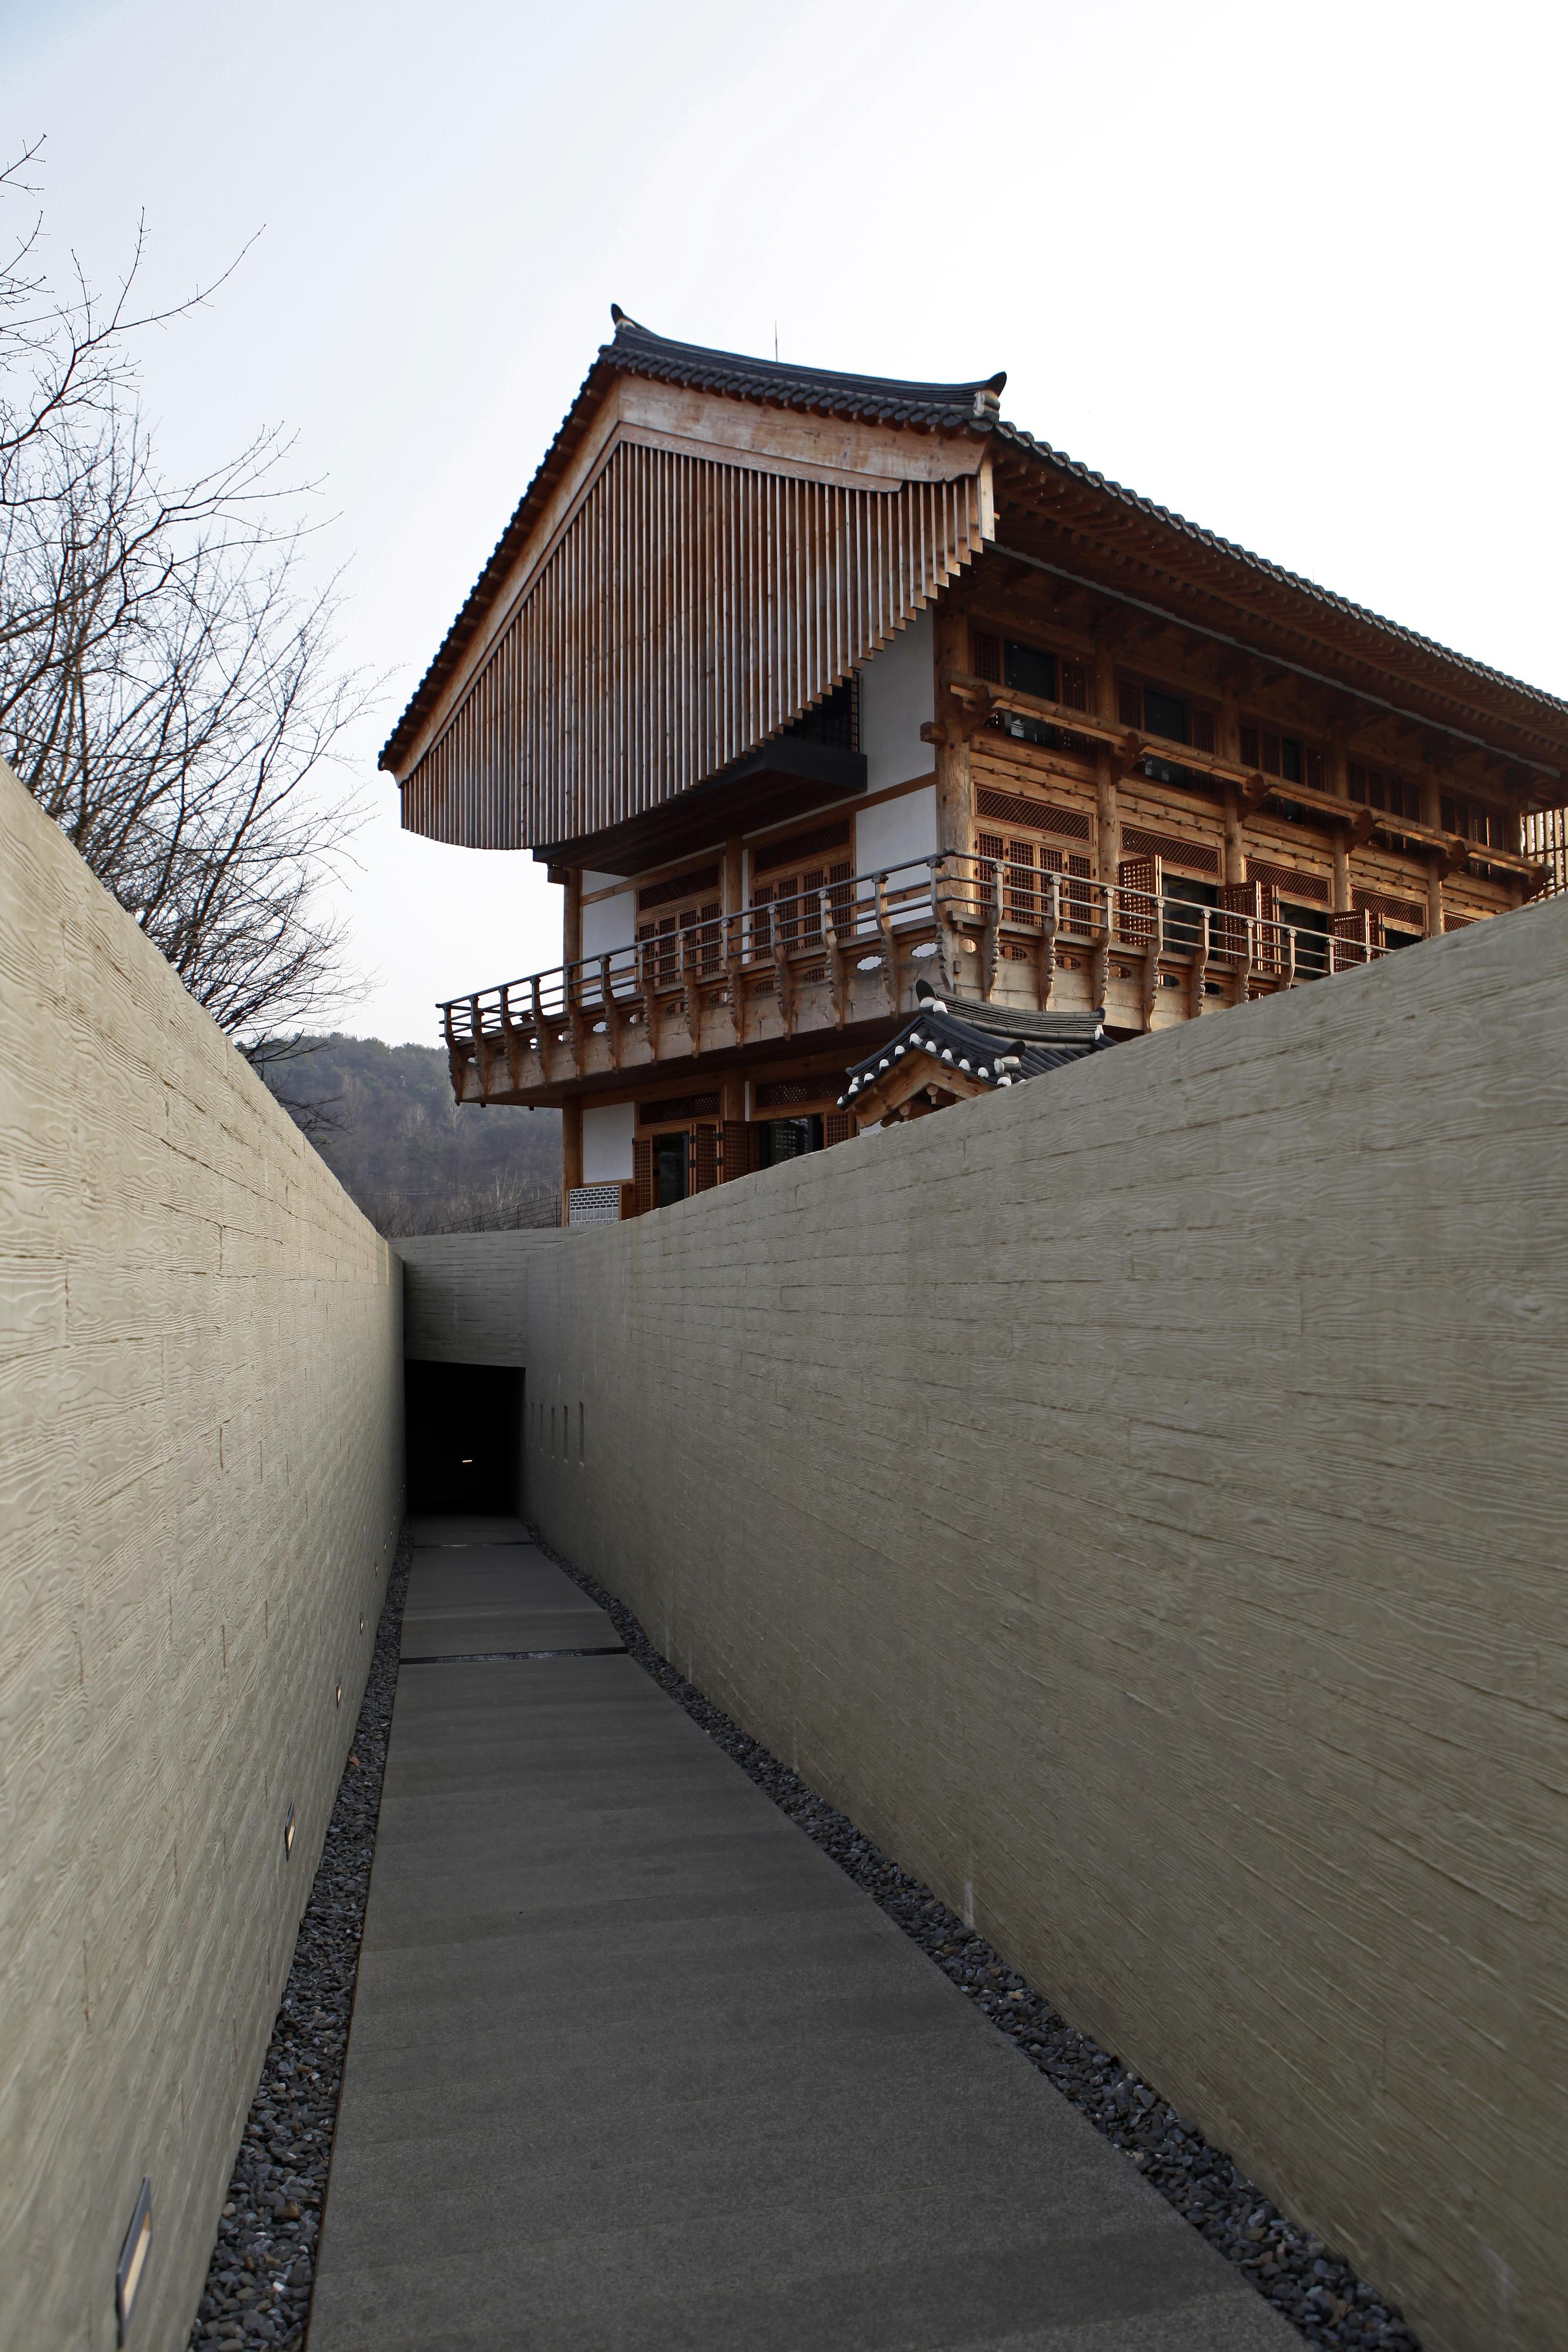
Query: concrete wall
[(200, 1483), (1139, 1501), (465, 1294)]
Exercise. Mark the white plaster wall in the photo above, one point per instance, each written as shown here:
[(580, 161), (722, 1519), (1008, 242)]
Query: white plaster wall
[(897, 830), (607, 1133), (897, 695), (610, 923), (199, 1483)]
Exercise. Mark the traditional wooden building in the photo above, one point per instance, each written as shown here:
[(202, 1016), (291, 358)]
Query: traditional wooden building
[(807, 687)]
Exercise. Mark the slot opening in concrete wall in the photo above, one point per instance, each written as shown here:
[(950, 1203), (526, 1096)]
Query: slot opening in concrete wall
[(463, 1423)]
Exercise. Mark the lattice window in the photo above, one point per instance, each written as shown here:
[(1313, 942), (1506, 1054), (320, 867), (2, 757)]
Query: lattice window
[(1405, 912), (1394, 795), (794, 1094), (1311, 889), (690, 941), (677, 1109), (1273, 753), (1172, 848), (1154, 711), (787, 913), (1036, 670), (1042, 816), (1476, 821), (835, 721)]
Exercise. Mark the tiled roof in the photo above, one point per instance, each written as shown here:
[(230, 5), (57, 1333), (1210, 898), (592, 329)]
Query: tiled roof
[(780, 383), (994, 1045), (1042, 453), (634, 350)]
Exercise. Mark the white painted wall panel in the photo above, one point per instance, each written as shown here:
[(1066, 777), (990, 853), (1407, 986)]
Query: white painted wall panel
[(897, 697), (607, 1132), (897, 830), (610, 923)]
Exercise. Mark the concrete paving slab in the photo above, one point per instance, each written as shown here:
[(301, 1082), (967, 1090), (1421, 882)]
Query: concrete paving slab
[(633, 2066), (465, 1529), (480, 1600)]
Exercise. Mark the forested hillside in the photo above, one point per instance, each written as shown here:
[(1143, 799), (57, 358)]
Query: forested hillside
[(383, 1118)]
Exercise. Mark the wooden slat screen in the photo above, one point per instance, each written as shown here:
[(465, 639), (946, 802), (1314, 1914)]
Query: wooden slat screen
[(1308, 889), (1015, 808), (690, 610), (1171, 848), (1404, 911), (642, 1176)]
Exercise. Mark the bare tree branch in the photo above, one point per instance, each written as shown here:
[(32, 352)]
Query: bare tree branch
[(169, 686)]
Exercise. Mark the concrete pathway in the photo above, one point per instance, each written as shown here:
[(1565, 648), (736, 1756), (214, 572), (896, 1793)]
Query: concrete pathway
[(634, 2065)]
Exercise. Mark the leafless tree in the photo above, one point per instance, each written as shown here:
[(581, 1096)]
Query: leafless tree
[(168, 687), (500, 1205)]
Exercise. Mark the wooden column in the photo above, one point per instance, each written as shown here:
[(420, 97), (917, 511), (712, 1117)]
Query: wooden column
[(1227, 743), (1108, 808), (1435, 899), (954, 796), (570, 1154), (1336, 775), (1107, 799), (572, 916)]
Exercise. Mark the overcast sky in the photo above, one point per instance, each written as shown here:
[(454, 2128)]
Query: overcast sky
[(1295, 271)]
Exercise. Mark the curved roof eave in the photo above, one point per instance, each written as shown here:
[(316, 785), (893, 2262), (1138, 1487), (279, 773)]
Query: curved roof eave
[(634, 350), (1294, 583)]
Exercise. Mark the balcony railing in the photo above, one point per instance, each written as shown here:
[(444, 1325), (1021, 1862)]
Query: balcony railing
[(851, 953)]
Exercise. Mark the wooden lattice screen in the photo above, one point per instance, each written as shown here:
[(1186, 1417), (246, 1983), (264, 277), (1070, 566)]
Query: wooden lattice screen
[(690, 609)]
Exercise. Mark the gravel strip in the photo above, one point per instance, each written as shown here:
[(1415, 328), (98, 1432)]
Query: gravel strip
[(260, 2279), (1313, 2287)]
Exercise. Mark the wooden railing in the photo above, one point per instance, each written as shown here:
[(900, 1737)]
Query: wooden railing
[(852, 951)]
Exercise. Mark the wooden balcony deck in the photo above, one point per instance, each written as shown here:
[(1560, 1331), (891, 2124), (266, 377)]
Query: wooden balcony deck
[(848, 958)]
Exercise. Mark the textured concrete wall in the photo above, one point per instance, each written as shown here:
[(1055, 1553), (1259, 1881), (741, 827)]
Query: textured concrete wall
[(1139, 1501), (200, 1480), (465, 1294)]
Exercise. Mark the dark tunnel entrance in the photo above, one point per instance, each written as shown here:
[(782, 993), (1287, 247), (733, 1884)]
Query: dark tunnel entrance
[(462, 1431)]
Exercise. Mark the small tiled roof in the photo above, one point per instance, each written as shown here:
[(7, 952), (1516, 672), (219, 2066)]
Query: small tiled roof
[(993, 1044)]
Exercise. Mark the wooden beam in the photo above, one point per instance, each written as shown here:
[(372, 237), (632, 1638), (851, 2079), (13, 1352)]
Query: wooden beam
[(955, 803)]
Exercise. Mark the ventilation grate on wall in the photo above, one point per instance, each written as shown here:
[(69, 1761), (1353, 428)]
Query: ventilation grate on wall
[(1311, 889), (1013, 808), (1171, 848), (677, 1107)]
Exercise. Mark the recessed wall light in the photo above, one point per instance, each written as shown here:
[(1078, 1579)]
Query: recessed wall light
[(288, 1834), (362, 1624), (338, 1696), (131, 2267)]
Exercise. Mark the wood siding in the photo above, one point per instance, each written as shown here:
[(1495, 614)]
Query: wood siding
[(690, 610)]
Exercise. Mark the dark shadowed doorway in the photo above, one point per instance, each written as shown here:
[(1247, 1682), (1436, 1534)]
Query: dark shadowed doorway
[(462, 1426)]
